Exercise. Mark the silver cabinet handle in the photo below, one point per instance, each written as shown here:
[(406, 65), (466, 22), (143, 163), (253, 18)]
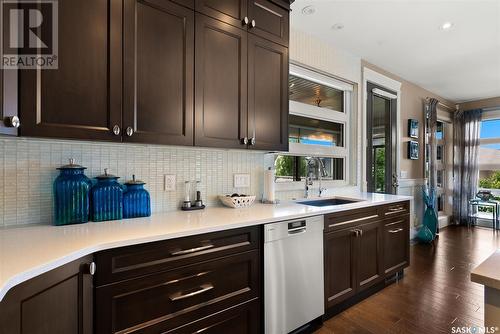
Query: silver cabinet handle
[(399, 208), (357, 220), (12, 122), (245, 21), (396, 230), (252, 141), (179, 295), (192, 250), (356, 232), (116, 130), (253, 24), (130, 131), (244, 141), (92, 267)]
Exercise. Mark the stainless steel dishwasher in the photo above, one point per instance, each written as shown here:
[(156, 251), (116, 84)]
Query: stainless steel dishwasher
[(293, 274)]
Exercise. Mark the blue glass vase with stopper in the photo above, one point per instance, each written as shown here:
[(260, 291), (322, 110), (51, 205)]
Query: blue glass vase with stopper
[(71, 195), (136, 200), (107, 198)]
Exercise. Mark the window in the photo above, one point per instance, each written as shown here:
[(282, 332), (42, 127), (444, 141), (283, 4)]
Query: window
[(489, 162), (294, 168), (319, 125)]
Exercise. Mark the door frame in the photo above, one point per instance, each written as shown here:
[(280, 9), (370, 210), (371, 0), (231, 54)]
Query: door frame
[(391, 134), (379, 79)]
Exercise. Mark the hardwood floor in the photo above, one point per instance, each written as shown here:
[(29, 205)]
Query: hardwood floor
[(435, 293)]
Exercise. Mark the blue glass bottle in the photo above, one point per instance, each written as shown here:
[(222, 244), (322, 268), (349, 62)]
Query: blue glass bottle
[(106, 198), (71, 195), (136, 200)]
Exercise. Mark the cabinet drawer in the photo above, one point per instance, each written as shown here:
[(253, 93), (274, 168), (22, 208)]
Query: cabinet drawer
[(242, 319), (162, 302), (341, 220), (396, 244), (271, 21), (396, 209), (133, 261)]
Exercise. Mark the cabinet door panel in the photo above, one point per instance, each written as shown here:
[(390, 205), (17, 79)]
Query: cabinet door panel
[(228, 11), (340, 280), (159, 67), (396, 245), (82, 98), (221, 84), (271, 21), (369, 257), (59, 301), (267, 94)]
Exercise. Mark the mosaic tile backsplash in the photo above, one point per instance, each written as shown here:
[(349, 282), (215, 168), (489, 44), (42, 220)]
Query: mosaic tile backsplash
[(28, 169)]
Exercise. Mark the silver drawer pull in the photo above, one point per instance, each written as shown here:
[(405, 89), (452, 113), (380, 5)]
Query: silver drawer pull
[(179, 295), (399, 208), (192, 250), (354, 221), (396, 230)]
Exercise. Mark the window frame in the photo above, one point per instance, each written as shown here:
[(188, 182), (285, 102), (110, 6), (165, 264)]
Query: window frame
[(325, 114)]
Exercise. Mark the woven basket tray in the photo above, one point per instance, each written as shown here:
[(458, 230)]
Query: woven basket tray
[(237, 202)]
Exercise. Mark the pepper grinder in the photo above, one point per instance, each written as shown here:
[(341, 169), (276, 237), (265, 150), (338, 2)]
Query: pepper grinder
[(198, 203), (187, 195)]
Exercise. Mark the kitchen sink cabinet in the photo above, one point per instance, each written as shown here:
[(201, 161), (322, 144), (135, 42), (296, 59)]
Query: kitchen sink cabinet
[(158, 72), (362, 248), (396, 244), (340, 266), (59, 301)]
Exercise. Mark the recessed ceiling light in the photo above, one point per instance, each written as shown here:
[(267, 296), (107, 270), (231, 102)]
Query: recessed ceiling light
[(338, 26), (446, 26), (308, 10)]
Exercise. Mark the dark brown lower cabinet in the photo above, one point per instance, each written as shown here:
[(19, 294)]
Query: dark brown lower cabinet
[(396, 244), (340, 279), (164, 301), (209, 282), (370, 255), (361, 249), (57, 302)]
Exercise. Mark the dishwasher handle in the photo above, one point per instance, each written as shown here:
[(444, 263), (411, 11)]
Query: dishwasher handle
[(297, 230)]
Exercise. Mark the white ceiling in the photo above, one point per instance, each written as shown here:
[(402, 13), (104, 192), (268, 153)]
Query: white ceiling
[(404, 37)]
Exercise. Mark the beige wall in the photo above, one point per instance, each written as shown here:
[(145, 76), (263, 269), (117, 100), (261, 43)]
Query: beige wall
[(412, 107), (486, 103)]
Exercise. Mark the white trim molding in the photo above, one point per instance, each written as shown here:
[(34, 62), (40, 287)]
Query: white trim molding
[(377, 78)]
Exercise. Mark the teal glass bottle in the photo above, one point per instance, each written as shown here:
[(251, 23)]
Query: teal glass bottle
[(106, 198), (71, 195), (136, 200)]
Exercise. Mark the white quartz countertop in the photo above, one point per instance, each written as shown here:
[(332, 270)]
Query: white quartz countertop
[(26, 252), (488, 272)]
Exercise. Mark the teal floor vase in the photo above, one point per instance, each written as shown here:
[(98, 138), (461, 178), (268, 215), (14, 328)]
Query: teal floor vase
[(428, 230)]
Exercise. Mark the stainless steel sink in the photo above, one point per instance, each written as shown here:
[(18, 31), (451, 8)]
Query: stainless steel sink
[(330, 201)]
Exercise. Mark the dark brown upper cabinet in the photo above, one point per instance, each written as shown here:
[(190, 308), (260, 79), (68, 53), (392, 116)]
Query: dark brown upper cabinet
[(158, 72), (82, 98), (232, 12), (221, 84), (268, 20), (267, 94)]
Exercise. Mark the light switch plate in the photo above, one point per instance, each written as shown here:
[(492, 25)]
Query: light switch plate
[(242, 180), (404, 174), (169, 182)]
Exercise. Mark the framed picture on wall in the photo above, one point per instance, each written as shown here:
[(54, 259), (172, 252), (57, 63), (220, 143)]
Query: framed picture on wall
[(413, 149), (412, 128)]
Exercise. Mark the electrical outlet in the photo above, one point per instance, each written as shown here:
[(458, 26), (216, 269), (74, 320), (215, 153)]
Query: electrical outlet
[(169, 182), (242, 180)]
